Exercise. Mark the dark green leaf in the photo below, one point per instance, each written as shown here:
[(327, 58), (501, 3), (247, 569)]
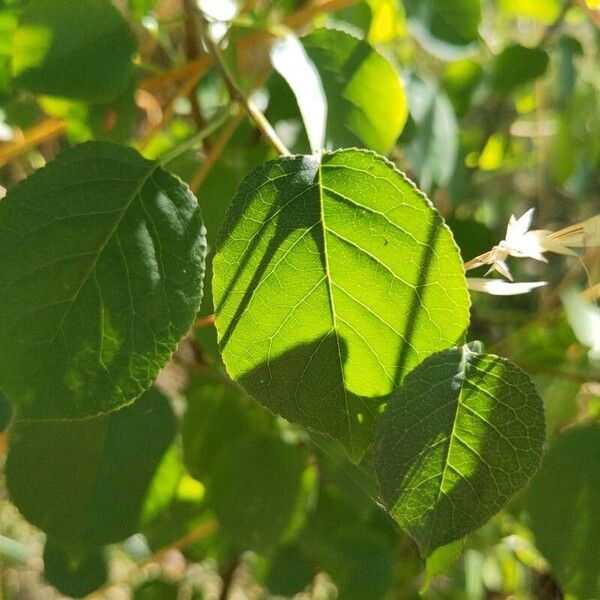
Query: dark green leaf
[(79, 49), (257, 491), (217, 409), (517, 65), (458, 439), (84, 482), (289, 572), (74, 576), (156, 589), (562, 501), (334, 278), (101, 265), (446, 28)]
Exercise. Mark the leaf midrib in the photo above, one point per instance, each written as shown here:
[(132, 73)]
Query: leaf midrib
[(462, 373), (328, 279)]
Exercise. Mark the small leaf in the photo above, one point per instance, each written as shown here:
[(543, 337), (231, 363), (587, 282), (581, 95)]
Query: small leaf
[(291, 61), (517, 65), (458, 439), (216, 408), (75, 576), (448, 29), (365, 100), (333, 279), (269, 474), (562, 501), (101, 265), (84, 482), (79, 49)]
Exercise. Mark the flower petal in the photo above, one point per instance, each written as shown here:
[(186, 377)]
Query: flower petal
[(499, 287)]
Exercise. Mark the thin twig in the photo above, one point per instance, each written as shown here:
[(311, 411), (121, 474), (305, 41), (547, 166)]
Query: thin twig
[(294, 21), (215, 152), (192, 51), (38, 134), (195, 139), (552, 28), (237, 95), (594, 15)]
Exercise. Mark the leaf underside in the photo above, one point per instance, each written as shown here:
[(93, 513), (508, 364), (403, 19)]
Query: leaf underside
[(458, 439)]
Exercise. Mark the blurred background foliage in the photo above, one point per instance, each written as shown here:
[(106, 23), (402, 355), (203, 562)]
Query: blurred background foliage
[(492, 107)]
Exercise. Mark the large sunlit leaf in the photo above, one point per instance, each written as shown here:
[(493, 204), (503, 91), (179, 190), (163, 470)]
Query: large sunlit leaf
[(334, 278), (101, 265), (446, 28), (77, 49), (562, 502), (84, 482), (458, 439), (365, 102)]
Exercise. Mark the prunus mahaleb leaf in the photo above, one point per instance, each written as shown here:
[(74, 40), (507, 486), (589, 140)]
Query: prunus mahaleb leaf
[(270, 474), (365, 100), (334, 277), (446, 28), (216, 409), (458, 439), (84, 482), (77, 49), (562, 501), (75, 576), (101, 266), (517, 65)]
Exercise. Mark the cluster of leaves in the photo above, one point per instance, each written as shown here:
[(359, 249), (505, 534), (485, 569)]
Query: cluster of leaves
[(328, 371)]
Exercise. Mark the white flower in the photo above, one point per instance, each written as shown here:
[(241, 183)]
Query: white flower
[(499, 287)]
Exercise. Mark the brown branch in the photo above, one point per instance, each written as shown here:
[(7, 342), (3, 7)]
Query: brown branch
[(202, 64), (594, 15), (192, 52), (236, 93), (38, 134)]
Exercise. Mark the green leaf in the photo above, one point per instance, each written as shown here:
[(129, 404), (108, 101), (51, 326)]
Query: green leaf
[(216, 409), (291, 61), (258, 491), (517, 65), (432, 144), (84, 482), (459, 438), (101, 265), (334, 278), (562, 501), (365, 101), (74, 576), (448, 29), (156, 589), (289, 572), (79, 50)]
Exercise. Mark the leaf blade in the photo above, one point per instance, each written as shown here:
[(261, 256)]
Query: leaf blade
[(470, 430), (288, 300), (98, 289)]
